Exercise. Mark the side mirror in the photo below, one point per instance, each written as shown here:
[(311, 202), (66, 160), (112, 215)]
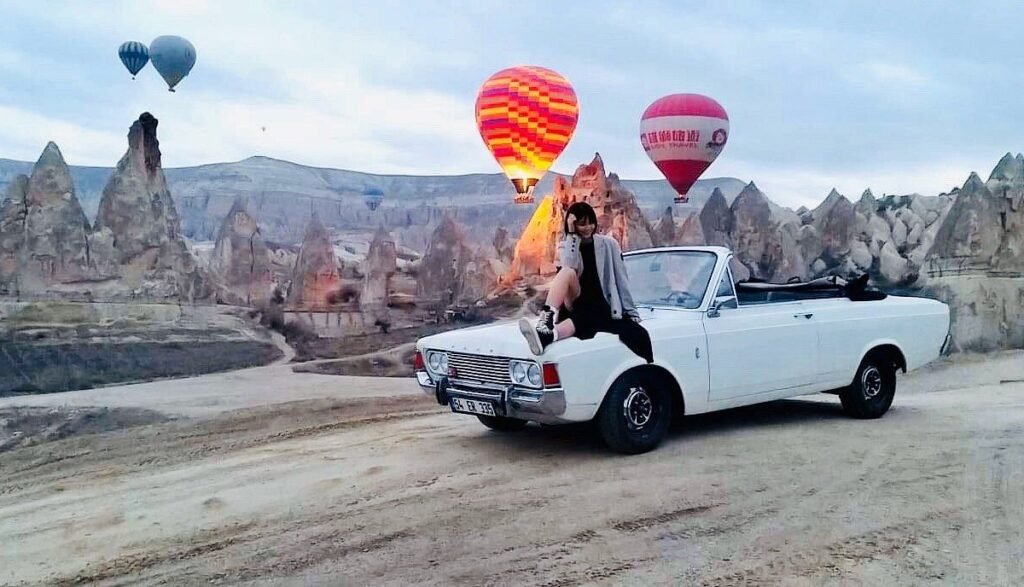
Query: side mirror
[(721, 302)]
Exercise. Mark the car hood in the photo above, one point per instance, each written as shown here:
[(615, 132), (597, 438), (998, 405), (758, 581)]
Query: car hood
[(503, 339)]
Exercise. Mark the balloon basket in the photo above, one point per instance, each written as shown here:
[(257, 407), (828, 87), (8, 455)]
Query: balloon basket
[(524, 198), (681, 199)]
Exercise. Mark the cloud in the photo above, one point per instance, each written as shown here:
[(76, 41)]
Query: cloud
[(818, 96), (894, 74), (24, 134)]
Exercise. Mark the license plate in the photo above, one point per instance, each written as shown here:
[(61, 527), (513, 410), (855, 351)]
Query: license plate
[(470, 406)]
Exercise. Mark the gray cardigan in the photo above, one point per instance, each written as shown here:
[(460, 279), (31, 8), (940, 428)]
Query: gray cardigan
[(611, 270)]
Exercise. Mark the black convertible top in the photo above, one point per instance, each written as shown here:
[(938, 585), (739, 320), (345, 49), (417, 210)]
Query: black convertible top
[(753, 291)]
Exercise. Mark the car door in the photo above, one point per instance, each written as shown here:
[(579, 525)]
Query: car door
[(759, 347)]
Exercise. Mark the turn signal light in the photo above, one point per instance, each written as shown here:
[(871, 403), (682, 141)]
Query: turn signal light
[(551, 375), (417, 362)]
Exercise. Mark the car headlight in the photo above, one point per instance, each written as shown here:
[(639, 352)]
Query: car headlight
[(525, 373), (437, 361), (533, 374), (518, 373)]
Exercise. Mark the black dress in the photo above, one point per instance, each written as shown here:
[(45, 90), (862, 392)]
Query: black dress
[(591, 313)]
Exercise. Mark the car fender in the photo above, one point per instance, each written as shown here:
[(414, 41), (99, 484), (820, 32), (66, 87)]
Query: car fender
[(872, 345)]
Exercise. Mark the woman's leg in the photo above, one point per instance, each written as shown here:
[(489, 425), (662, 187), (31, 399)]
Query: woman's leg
[(565, 288), (565, 329)]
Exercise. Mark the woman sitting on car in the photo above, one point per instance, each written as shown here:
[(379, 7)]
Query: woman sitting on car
[(590, 293)]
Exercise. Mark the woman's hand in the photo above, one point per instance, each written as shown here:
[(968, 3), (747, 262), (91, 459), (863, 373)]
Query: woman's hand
[(570, 221)]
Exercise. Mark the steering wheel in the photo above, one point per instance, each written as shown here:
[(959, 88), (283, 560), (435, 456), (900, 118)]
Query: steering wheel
[(680, 298)]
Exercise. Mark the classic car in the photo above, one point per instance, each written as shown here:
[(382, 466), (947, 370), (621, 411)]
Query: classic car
[(717, 344)]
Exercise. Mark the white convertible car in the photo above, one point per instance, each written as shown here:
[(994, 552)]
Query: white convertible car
[(717, 345)]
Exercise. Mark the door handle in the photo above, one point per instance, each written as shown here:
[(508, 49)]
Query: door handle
[(805, 315)]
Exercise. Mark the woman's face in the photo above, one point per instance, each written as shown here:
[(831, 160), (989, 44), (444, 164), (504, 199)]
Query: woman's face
[(585, 228)]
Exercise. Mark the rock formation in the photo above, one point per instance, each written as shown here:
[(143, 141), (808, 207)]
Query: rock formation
[(665, 229), (13, 212), (315, 277), (766, 251), (47, 246), (504, 246), (137, 207), (535, 250), (836, 222), (44, 234), (443, 267), (241, 259), (378, 269), (867, 205), (1007, 185), (618, 216), (972, 227), (716, 220), (690, 231), (137, 225)]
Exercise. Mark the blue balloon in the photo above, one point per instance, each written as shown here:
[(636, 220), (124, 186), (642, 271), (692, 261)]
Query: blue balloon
[(134, 55), (373, 197), (173, 57)]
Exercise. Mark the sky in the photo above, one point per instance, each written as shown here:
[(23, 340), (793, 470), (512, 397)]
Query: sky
[(900, 97)]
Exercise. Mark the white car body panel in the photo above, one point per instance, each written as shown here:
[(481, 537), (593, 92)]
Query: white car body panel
[(744, 355)]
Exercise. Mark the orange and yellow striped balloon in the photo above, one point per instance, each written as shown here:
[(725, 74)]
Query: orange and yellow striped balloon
[(526, 116)]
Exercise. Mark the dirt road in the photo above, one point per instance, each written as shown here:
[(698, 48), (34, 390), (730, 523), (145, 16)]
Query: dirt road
[(391, 490)]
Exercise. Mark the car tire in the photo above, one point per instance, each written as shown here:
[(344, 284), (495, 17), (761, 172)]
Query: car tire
[(635, 415), (872, 390), (502, 424)]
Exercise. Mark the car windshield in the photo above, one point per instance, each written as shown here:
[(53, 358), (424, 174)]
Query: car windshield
[(670, 278)]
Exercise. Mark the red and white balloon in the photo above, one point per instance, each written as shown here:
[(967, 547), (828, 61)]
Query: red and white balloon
[(683, 134)]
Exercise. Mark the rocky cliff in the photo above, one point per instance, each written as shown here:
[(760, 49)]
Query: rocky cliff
[(316, 275), (44, 234), (442, 271), (241, 259), (618, 216), (380, 266)]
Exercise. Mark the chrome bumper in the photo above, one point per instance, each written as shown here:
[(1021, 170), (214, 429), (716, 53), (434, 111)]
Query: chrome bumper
[(541, 405)]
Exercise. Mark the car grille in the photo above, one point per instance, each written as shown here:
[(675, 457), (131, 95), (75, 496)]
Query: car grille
[(480, 368)]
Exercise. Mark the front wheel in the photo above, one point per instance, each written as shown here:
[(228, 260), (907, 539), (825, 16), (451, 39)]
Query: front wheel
[(635, 415), (502, 424), (872, 390)]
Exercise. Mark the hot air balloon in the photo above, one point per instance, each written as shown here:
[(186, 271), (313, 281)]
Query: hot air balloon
[(683, 134), (526, 116), (173, 57), (373, 197), (134, 55)]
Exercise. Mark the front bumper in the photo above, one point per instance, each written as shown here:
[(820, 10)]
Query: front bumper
[(540, 405)]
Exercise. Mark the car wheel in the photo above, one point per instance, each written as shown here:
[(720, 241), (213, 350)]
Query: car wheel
[(502, 424), (635, 415), (872, 390)]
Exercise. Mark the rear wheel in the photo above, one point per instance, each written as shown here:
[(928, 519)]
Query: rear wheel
[(635, 415), (872, 390), (502, 424)]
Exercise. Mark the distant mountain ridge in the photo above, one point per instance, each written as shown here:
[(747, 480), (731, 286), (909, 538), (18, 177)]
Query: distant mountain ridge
[(283, 194)]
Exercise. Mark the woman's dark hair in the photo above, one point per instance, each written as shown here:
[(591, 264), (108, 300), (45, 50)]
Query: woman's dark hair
[(580, 210)]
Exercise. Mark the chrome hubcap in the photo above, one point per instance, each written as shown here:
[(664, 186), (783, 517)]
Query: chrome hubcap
[(638, 408), (871, 382)]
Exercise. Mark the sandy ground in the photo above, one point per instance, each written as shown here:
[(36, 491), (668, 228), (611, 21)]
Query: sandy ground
[(269, 477)]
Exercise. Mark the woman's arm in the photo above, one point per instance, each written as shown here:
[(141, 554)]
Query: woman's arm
[(569, 253), (622, 279)]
